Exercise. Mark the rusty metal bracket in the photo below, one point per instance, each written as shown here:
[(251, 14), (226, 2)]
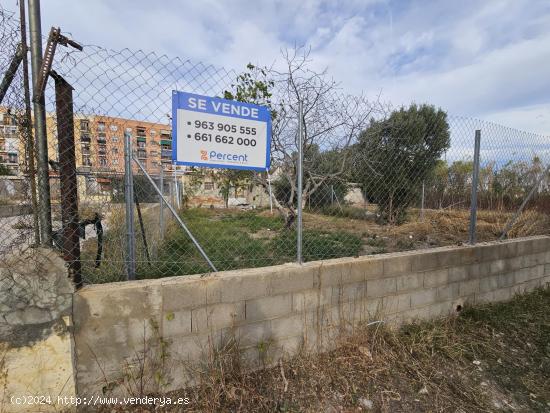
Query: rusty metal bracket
[(55, 37)]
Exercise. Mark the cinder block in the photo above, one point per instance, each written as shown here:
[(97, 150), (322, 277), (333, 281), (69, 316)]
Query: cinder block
[(479, 270), (291, 279), (349, 292), (487, 252), (423, 297), (459, 273), (533, 245), (468, 287), (311, 299), (442, 258), (284, 348), (523, 275), (176, 323), (290, 326), (381, 287), (217, 316), (329, 274), (366, 268), (253, 333), (410, 282), (506, 280), (414, 315), (236, 288), (530, 260), (531, 285), (439, 310), (518, 289), (213, 290), (502, 294), (448, 292), (508, 249), (268, 307), (498, 266), (489, 283), (194, 348), (178, 294), (396, 303), (485, 297), (396, 265), (436, 277), (515, 263), (372, 308)]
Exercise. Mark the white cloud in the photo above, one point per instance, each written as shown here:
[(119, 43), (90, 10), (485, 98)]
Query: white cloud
[(488, 59)]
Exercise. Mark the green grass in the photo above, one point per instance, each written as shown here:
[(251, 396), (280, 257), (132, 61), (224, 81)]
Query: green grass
[(234, 240)]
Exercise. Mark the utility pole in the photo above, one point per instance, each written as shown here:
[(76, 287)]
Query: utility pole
[(29, 139), (39, 106)]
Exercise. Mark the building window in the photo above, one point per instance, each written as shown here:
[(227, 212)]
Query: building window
[(85, 149), (153, 132), (114, 151), (142, 154), (101, 126), (209, 186), (85, 125), (12, 157), (113, 128), (102, 161), (86, 160), (114, 139), (85, 137)]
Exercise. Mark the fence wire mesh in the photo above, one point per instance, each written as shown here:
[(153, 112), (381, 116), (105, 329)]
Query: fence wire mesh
[(376, 179)]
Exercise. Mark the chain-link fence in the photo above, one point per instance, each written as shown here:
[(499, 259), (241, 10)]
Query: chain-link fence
[(375, 178)]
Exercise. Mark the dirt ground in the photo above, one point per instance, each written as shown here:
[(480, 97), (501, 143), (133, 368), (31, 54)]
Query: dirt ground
[(436, 228)]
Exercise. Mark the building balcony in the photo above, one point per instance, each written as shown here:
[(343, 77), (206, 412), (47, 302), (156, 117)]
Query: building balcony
[(166, 153)]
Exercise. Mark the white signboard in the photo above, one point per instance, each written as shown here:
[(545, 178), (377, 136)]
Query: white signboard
[(220, 133)]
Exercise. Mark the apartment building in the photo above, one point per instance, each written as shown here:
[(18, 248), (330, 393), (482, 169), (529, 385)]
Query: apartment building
[(99, 150), (10, 150)]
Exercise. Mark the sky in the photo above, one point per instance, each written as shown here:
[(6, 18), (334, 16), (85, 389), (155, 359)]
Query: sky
[(489, 59)]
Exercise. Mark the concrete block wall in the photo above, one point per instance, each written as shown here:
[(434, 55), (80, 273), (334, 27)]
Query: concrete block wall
[(36, 357), (276, 311)]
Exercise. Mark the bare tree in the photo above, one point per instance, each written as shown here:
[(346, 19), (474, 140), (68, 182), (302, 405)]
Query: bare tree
[(332, 123)]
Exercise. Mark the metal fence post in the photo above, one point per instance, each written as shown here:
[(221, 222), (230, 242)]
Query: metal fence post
[(300, 184), (40, 125), (422, 202), (475, 179), (29, 139), (68, 179), (129, 201), (161, 206)]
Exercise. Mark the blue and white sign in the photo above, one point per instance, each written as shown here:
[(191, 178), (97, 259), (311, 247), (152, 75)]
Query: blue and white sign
[(220, 133)]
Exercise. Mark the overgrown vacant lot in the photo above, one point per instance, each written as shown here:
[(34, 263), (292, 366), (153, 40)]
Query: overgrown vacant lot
[(489, 358), (240, 239)]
